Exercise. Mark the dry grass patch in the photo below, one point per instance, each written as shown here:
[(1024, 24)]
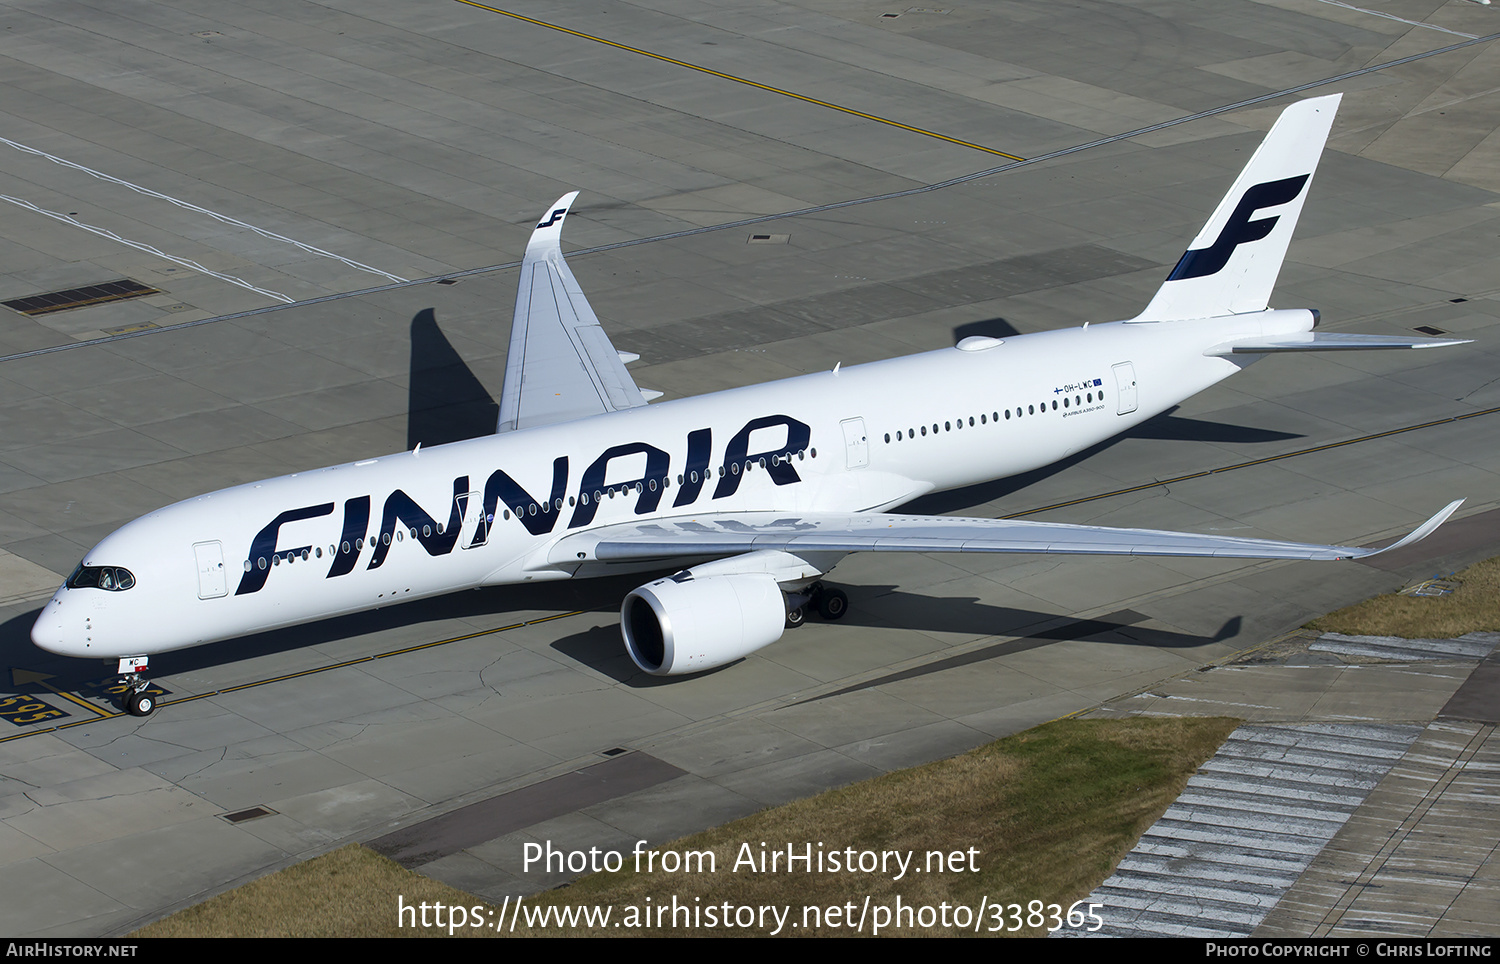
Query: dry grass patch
[(1049, 812), (1473, 607), (350, 892)]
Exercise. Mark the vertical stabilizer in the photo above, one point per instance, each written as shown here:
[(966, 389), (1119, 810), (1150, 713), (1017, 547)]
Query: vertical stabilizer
[(1232, 264)]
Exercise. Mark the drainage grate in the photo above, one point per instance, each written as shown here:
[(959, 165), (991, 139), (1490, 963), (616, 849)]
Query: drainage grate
[(80, 297), (615, 751), (1429, 330), (768, 239), (448, 281), (240, 816)]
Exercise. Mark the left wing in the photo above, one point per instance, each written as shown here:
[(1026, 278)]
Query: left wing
[(737, 532), (560, 364)]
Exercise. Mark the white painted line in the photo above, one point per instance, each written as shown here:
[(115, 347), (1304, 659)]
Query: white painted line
[(143, 246), (186, 205), (1390, 16)]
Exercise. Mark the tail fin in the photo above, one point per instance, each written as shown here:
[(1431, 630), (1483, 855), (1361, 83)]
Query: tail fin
[(1232, 264)]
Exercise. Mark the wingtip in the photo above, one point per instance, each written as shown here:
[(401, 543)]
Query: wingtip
[(1422, 531), (548, 232)]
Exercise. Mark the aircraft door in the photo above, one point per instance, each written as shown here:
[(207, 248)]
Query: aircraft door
[(856, 443), (476, 525), (210, 559), (1125, 388)]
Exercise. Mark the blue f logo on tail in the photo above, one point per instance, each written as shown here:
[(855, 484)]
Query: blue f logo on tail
[(1239, 229)]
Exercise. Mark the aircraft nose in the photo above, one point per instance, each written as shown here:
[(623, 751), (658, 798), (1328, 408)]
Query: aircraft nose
[(54, 632)]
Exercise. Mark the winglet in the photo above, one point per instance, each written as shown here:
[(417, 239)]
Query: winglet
[(548, 234), (1419, 533), (560, 364)]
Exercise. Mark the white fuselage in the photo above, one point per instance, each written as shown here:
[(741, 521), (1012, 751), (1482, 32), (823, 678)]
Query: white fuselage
[(299, 548)]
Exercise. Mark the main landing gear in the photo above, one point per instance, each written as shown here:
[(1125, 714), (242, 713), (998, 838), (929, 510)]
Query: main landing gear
[(828, 603)]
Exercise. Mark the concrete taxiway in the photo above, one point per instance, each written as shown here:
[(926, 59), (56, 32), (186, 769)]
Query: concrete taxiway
[(237, 157)]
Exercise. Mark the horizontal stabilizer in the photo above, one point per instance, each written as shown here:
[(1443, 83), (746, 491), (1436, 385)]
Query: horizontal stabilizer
[(1326, 341)]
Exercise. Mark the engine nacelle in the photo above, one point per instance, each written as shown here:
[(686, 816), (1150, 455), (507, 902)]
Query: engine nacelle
[(687, 624)]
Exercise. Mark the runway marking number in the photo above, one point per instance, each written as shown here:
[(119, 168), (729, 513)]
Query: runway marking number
[(25, 710)]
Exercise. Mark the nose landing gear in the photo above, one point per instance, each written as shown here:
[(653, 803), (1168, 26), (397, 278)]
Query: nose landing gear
[(137, 701)]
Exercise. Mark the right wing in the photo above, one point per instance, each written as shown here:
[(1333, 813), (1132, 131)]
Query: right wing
[(731, 533), (560, 364)]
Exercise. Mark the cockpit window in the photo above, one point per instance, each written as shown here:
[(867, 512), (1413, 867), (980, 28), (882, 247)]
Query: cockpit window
[(112, 578)]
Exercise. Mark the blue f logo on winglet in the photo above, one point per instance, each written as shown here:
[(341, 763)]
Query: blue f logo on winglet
[(557, 216)]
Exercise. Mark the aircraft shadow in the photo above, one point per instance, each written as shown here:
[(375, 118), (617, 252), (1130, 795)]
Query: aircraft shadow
[(1180, 428), (1117, 629), (601, 649), (445, 402), (989, 327)]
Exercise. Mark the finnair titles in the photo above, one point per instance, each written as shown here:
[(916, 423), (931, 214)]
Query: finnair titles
[(752, 494)]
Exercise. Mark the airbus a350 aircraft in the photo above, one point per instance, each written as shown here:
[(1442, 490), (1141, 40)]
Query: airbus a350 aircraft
[(760, 491)]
